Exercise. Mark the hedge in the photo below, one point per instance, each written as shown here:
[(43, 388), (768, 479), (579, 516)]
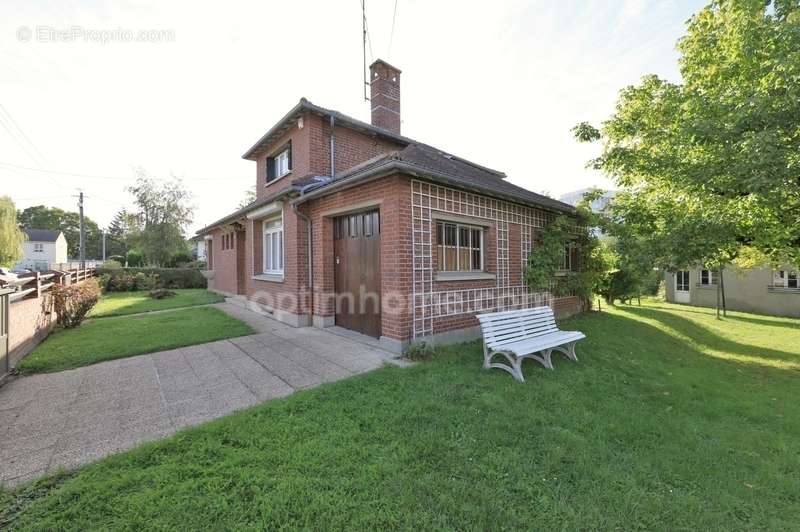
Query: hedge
[(167, 277)]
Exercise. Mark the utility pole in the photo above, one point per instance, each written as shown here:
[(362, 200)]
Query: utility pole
[(104, 245), (82, 245)]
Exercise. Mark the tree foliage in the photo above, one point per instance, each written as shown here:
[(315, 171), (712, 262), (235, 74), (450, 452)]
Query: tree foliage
[(163, 214), (713, 163), (11, 237)]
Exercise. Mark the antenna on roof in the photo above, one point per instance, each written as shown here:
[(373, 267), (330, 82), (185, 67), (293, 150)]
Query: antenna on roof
[(364, 46)]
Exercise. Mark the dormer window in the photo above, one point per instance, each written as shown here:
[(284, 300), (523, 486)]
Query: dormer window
[(280, 164)]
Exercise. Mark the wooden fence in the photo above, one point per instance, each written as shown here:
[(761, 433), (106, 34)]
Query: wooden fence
[(23, 288)]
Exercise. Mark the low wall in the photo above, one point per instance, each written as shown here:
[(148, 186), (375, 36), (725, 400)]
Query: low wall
[(28, 324)]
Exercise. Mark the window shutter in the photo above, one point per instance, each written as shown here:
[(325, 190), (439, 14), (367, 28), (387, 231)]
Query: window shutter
[(289, 144), (270, 169)]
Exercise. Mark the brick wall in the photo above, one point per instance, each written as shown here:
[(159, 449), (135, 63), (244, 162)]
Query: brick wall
[(226, 275), (391, 195), (291, 293), (28, 324)]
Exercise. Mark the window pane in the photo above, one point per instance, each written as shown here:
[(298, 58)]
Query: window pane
[(440, 258), (440, 233), (450, 235), (463, 259), (476, 259), (280, 250), (450, 258), (274, 263), (267, 251)]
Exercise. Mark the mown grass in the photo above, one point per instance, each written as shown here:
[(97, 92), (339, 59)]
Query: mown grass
[(671, 420), (124, 303), (107, 339)]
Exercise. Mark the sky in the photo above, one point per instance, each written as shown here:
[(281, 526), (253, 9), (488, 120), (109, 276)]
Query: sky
[(92, 89)]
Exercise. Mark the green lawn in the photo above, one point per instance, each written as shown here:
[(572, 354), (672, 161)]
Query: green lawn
[(672, 420), (98, 340), (122, 303)]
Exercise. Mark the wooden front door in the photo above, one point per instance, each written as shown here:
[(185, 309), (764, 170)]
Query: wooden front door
[(357, 272)]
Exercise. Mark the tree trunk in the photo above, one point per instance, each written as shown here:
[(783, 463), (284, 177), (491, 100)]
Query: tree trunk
[(722, 291), (718, 294)]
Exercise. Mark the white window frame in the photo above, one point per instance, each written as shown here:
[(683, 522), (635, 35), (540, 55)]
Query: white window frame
[(785, 278), (686, 283), (281, 162), (709, 279), (272, 264), (38, 247), (458, 227)]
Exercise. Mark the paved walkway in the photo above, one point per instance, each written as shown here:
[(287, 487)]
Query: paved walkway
[(70, 418)]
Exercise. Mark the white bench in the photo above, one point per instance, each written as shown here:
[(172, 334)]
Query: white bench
[(521, 334)]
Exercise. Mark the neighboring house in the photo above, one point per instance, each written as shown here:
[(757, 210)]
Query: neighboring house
[(199, 248), (42, 249), (759, 290), (358, 226)]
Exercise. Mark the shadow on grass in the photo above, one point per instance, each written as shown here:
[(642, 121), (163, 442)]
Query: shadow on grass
[(770, 321), (708, 339)]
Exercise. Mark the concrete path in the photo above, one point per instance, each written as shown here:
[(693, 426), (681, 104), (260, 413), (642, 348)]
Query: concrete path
[(74, 417)]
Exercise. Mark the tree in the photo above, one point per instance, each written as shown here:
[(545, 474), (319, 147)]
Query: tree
[(163, 215), (11, 237), (713, 163), (249, 197), (122, 231), (41, 217)]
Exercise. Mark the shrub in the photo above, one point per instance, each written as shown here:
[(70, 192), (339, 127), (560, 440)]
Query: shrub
[(129, 279), (179, 260), (134, 259), (112, 264), (71, 303), (418, 351), (161, 293)]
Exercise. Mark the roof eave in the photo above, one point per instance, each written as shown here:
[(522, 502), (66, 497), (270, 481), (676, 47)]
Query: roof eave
[(394, 165)]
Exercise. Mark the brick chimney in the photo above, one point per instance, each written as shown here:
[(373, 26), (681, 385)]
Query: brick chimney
[(385, 95)]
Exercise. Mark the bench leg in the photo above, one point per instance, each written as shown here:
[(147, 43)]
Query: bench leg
[(546, 360), (569, 350), (514, 365)]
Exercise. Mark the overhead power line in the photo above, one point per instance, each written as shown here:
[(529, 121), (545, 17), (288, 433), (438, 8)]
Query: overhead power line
[(90, 176), (22, 133)]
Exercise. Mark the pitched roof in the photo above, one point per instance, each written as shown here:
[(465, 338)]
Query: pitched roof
[(412, 156), (429, 162), (42, 235)]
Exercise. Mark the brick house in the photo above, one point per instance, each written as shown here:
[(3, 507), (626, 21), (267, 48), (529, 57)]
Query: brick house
[(357, 226)]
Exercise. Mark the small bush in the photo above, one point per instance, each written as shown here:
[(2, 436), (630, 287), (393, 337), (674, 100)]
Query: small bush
[(71, 303), (418, 351), (161, 293), (112, 264)]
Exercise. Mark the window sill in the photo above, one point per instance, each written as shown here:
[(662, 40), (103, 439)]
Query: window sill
[(270, 277), (268, 183), (464, 276)]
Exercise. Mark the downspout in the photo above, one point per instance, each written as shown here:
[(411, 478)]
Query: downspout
[(333, 149)]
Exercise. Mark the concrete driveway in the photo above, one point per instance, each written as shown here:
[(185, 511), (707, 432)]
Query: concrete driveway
[(73, 417)]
